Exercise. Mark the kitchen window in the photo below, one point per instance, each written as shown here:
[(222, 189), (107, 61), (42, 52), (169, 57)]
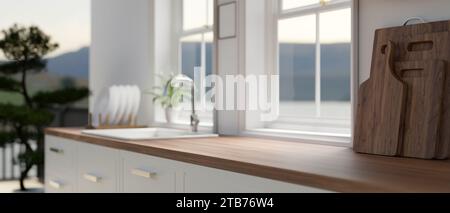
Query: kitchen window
[(313, 60), (196, 52)]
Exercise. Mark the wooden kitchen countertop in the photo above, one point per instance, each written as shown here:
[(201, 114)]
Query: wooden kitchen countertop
[(326, 167)]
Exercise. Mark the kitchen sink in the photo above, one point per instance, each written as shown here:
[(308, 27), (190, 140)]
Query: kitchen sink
[(147, 134)]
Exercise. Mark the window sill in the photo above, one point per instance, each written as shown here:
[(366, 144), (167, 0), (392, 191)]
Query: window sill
[(340, 140)]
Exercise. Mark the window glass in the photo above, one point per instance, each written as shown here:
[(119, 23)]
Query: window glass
[(314, 63), (297, 56), (335, 38), (197, 54), (196, 49), (191, 54), (210, 12), (197, 14)]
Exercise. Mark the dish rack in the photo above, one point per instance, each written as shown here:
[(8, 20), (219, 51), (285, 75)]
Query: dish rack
[(126, 123)]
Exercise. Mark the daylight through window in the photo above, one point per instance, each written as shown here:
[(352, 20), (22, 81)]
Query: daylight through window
[(314, 63)]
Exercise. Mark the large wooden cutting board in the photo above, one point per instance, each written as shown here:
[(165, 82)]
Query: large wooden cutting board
[(381, 109), (425, 81), (430, 42)]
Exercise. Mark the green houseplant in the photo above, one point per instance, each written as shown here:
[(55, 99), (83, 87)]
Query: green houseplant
[(169, 97), (25, 48)]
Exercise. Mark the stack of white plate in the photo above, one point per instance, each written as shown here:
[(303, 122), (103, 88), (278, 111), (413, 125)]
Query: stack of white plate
[(117, 105)]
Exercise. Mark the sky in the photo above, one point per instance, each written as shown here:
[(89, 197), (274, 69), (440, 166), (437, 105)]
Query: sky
[(66, 21)]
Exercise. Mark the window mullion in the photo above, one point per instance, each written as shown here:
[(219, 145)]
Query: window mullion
[(196, 31), (318, 68), (202, 71)]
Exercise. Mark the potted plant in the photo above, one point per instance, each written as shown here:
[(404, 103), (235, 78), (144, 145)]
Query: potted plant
[(170, 97)]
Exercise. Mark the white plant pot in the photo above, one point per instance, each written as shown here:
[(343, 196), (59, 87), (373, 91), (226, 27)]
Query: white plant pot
[(172, 115)]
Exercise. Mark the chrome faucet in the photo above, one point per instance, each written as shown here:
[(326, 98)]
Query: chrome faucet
[(194, 117), (178, 81)]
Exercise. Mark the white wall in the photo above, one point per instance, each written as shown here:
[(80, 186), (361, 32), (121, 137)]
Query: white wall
[(131, 39), (165, 40), (120, 47), (374, 14)]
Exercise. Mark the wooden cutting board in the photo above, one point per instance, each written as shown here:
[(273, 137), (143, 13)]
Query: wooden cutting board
[(380, 110), (431, 42), (421, 42), (425, 81)]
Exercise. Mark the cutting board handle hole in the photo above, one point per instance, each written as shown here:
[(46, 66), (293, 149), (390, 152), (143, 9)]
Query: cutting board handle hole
[(412, 73), (420, 46), (383, 49)]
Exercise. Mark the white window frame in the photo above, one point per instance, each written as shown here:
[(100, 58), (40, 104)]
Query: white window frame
[(276, 13)]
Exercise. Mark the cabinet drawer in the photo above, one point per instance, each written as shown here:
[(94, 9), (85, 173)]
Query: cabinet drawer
[(146, 174), (59, 154), (55, 183), (97, 169)]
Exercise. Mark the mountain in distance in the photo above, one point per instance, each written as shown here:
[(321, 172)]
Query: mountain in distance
[(72, 64)]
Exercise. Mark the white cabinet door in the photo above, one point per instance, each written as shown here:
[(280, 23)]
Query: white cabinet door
[(60, 169), (59, 154), (146, 174), (97, 169), (200, 179)]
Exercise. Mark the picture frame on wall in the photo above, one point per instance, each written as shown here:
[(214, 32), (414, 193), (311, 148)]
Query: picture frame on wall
[(227, 20)]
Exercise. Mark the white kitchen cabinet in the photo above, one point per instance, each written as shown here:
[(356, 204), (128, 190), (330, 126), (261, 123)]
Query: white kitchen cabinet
[(60, 170), (97, 168), (59, 154), (73, 166)]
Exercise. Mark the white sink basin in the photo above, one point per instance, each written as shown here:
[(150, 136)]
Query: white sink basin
[(147, 134)]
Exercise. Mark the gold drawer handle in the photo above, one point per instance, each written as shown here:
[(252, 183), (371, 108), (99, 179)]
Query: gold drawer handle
[(56, 150), (92, 178), (55, 184), (143, 173)]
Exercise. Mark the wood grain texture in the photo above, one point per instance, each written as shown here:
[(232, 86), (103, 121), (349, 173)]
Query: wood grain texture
[(381, 108), (437, 34), (325, 167), (421, 42), (425, 81)]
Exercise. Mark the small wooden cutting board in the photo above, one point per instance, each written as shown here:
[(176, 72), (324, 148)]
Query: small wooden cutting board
[(425, 81), (380, 110)]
